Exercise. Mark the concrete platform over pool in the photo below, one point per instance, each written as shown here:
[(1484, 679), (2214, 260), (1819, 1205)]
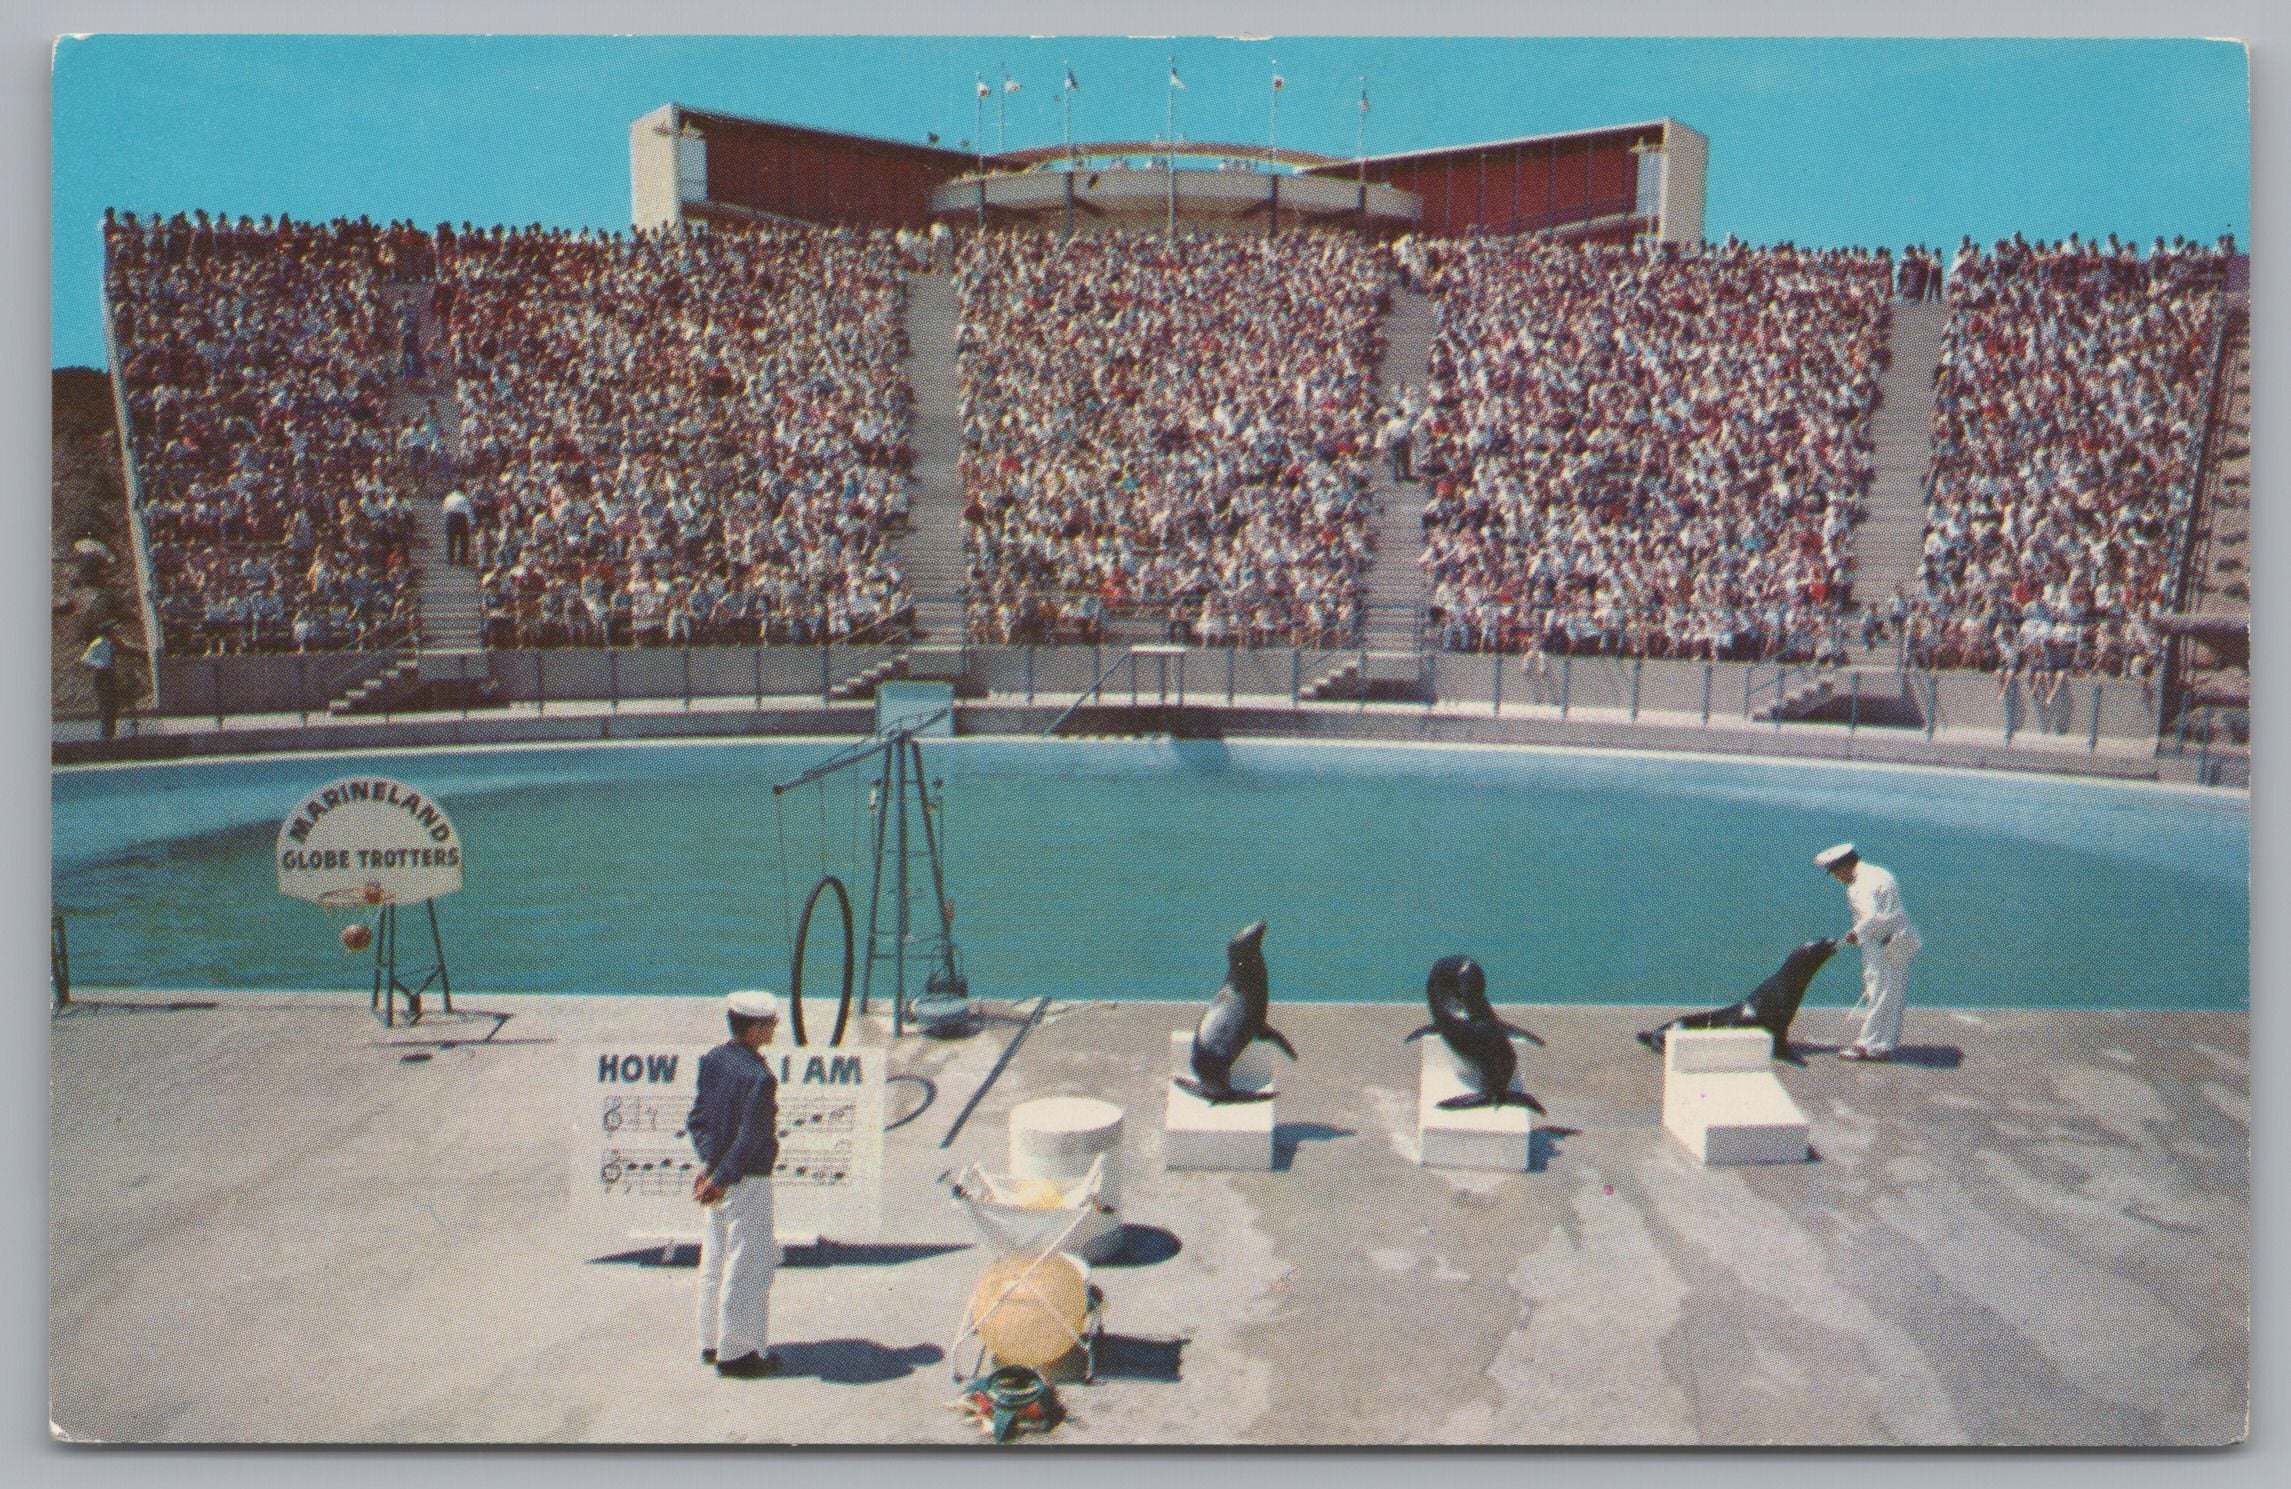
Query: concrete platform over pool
[(273, 1220)]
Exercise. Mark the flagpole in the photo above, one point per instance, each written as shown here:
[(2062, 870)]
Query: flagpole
[(1002, 113), (1169, 133), (1360, 136), (1273, 148), (1360, 151), (1273, 130), (1066, 133), (978, 140)]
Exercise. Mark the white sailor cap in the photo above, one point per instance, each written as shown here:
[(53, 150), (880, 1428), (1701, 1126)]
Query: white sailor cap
[(754, 1004), (1830, 858)]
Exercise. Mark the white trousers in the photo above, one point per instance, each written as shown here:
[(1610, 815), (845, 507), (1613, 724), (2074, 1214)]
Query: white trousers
[(737, 1258), (1885, 992)]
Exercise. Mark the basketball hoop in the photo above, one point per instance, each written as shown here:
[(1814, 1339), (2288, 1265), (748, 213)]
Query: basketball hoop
[(355, 896), (367, 846)]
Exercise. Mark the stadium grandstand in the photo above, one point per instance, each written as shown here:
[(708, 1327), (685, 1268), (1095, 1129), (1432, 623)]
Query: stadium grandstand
[(1483, 402)]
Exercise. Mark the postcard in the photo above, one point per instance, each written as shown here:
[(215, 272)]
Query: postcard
[(1313, 741)]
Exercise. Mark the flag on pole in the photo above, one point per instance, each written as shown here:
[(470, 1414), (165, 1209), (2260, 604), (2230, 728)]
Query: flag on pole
[(1364, 100), (1010, 84), (1071, 85), (1279, 82), (1175, 81), (983, 89)]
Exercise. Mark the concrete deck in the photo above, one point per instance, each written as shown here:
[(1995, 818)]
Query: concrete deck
[(268, 1223)]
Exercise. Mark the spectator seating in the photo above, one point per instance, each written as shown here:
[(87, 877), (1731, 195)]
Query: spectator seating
[(1649, 450), (1179, 428), (255, 360)]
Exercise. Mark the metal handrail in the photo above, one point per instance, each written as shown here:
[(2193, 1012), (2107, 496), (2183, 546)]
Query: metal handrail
[(2193, 522), (1096, 689), (368, 663)]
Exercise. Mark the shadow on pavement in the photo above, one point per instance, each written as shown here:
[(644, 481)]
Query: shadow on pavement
[(1127, 1357), (819, 1254), (1290, 1136), (855, 1362), (1144, 1246)]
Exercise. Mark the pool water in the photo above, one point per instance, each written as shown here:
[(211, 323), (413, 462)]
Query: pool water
[(1118, 870)]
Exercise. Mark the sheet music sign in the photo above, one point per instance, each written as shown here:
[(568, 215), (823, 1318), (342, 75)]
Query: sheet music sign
[(368, 840), (633, 1164)]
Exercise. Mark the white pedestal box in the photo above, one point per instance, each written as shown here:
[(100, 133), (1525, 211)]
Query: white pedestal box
[(1487, 1137), (1214, 1135), (1060, 1137), (1721, 1098)]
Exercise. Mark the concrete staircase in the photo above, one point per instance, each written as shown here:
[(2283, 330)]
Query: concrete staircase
[(1802, 698), (2223, 579), (1394, 590), (1391, 676), (1340, 679), (2216, 660), (382, 691), (862, 684), (451, 629), (1889, 545), (448, 594), (930, 555), (452, 614)]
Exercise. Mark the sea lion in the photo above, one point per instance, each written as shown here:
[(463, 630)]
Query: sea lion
[(1771, 1006), (1234, 1018), (1457, 991)]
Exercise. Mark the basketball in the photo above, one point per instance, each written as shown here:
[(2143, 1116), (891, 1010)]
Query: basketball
[(356, 937)]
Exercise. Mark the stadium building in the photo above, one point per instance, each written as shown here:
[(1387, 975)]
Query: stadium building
[(1607, 185), (964, 485)]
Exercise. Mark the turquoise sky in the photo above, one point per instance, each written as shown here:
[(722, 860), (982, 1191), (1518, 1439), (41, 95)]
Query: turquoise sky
[(1830, 141)]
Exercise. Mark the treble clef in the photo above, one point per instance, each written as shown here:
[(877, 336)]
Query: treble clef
[(612, 1114)]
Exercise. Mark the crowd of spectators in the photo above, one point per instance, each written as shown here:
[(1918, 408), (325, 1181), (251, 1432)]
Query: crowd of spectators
[(699, 436), (686, 436), (2068, 418), (1653, 450), (256, 360), (1179, 429)]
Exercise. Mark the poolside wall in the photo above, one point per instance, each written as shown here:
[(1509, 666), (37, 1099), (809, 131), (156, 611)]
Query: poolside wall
[(1721, 692), (258, 704)]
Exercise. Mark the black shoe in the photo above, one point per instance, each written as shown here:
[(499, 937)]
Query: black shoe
[(749, 1367), (707, 1357)]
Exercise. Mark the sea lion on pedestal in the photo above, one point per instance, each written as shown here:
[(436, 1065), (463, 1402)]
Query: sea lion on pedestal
[(1772, 1006), (1457, 991), (1234, 1019)]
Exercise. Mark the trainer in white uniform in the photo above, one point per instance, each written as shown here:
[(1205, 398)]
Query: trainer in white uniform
[(735, 1123), (1887, 940)]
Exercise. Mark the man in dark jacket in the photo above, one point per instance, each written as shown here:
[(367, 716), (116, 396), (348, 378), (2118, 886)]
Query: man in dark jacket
[(734, 1125)]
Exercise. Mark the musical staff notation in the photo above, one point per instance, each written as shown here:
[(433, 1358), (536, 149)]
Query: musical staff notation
[(798, 1121), (647, 1171), (634, 1114), (818, 1175)]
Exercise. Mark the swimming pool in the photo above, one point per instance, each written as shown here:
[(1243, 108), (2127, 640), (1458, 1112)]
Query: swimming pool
[(1116, 870)]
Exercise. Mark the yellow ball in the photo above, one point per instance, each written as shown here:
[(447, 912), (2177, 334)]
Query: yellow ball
[(1041, 1194)]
